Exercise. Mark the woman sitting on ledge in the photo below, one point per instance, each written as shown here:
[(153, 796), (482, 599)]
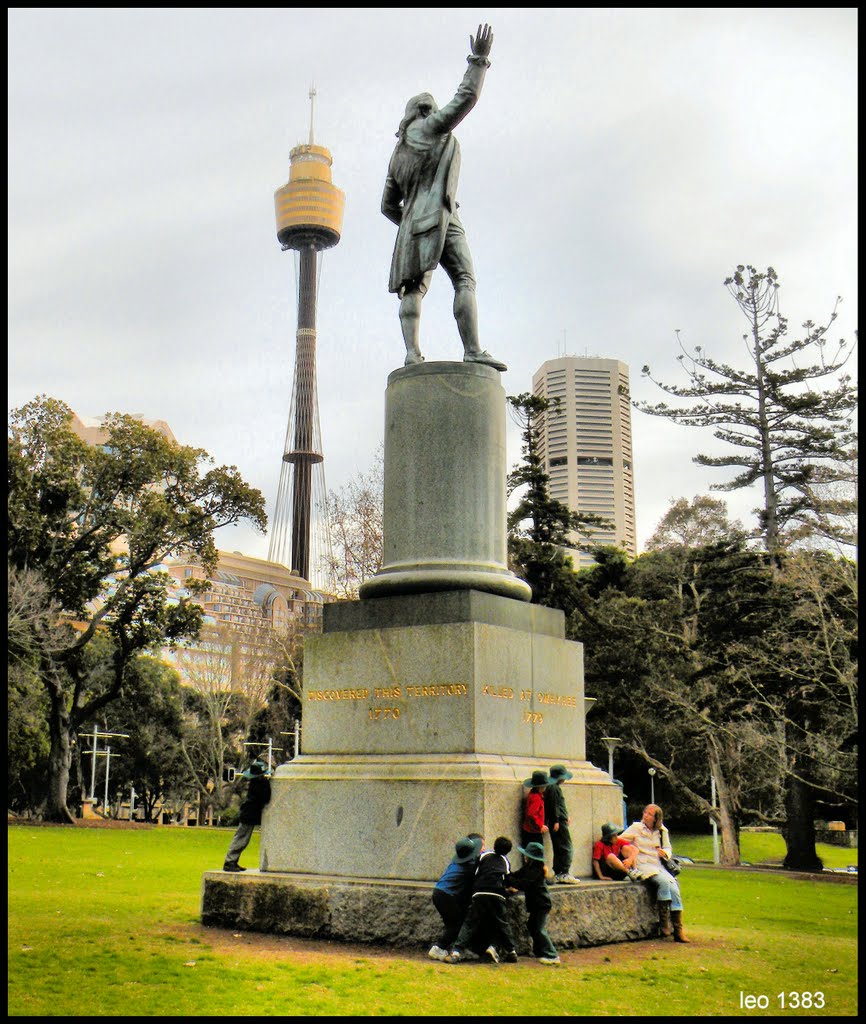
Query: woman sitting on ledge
[(653, 849)]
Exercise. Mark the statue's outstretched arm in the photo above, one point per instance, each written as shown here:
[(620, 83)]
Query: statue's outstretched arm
[(446, 119)]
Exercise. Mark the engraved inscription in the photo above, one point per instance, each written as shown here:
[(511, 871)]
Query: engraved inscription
[(382, 714), (362, 693), (549, 698)]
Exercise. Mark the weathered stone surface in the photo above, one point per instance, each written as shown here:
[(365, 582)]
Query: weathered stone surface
[(443, 606), (402, 914), (417, 732), (368, 816), (446, 687), (444, 525)]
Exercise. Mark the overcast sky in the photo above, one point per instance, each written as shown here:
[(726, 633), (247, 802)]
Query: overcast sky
[(618, 165)]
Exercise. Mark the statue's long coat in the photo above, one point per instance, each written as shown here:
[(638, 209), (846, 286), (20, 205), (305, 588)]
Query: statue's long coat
[(421, 186)]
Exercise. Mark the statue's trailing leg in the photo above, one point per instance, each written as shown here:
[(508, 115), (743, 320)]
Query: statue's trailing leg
[(466, 315), (410, 322)]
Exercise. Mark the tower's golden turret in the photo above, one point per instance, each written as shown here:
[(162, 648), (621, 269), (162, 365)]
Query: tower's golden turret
[(309, 206)]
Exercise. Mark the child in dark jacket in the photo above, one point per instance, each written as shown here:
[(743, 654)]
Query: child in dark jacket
[(531, 880), (453, 891), (558, 821), (488, 911)]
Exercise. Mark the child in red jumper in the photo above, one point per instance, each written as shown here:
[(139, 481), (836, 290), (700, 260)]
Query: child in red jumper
[(533, 816), (611, 857)]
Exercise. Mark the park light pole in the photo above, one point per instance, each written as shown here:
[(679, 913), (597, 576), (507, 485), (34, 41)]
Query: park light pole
[(651, 772), (610, 742), (271, 749), (96, 735), (107, 769), (294, 733)]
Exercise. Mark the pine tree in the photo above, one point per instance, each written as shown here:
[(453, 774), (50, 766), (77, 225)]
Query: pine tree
[(539, 526), (793, 434)]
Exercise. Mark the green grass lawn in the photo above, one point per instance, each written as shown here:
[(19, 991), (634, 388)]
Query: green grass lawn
[(760, 848), (104, 922)]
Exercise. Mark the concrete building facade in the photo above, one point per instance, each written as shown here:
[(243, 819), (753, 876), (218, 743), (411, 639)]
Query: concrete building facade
[(586, 444)]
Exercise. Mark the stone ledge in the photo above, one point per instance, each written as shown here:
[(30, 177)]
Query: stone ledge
[(442, 607), (388, 913)]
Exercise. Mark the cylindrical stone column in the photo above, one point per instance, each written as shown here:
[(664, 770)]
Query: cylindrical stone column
[(445, 469)]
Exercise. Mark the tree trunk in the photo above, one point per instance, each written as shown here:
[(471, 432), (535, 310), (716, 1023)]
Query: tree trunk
[(59, 761), (800, 826), (729, 855)]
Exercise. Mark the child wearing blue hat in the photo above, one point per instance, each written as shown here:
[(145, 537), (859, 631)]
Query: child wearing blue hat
[(488, 910)]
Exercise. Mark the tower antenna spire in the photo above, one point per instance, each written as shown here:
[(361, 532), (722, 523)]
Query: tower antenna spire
[(312, 110)]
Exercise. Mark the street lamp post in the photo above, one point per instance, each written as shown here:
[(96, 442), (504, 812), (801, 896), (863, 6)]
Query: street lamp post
[(651, 772), (610, 742), (97, 735), (107, 767)]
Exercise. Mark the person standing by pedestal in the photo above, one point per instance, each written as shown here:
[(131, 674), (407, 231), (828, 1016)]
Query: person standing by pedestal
[(488, 911), (557, 820), (534, 828), (258, 795), (452, 893), (531, 879)]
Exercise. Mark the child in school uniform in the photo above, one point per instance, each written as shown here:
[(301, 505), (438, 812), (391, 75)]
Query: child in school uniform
[(453, 891), (612, 858), (534, 826), (488, 910), (558, 822), (531, 879)]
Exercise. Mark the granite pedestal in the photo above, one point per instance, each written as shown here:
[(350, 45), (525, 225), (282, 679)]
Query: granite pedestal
[(423, 714), (427, 703), (401, 913), (445, 475)]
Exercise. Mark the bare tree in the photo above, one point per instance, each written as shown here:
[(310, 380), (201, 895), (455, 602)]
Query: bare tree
[(355, 512), (207, 669), (703, 520)]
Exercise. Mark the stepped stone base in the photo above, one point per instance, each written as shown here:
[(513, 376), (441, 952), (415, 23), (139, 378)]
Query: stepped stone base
[(591, 913)]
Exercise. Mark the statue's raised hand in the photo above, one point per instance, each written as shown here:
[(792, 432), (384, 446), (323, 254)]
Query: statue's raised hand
[(482, 43)]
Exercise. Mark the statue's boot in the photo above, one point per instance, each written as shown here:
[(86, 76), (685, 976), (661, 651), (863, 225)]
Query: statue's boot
[(484, 357)]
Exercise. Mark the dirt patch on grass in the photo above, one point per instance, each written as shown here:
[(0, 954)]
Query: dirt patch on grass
[(260, 946)]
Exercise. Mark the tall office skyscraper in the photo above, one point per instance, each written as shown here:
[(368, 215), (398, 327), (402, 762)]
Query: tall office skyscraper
[(586, 443)]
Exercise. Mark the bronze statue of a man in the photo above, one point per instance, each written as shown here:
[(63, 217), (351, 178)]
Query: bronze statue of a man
[(420, 199)]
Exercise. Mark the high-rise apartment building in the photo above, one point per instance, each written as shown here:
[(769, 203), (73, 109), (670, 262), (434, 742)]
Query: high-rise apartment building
[(586, 444)]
